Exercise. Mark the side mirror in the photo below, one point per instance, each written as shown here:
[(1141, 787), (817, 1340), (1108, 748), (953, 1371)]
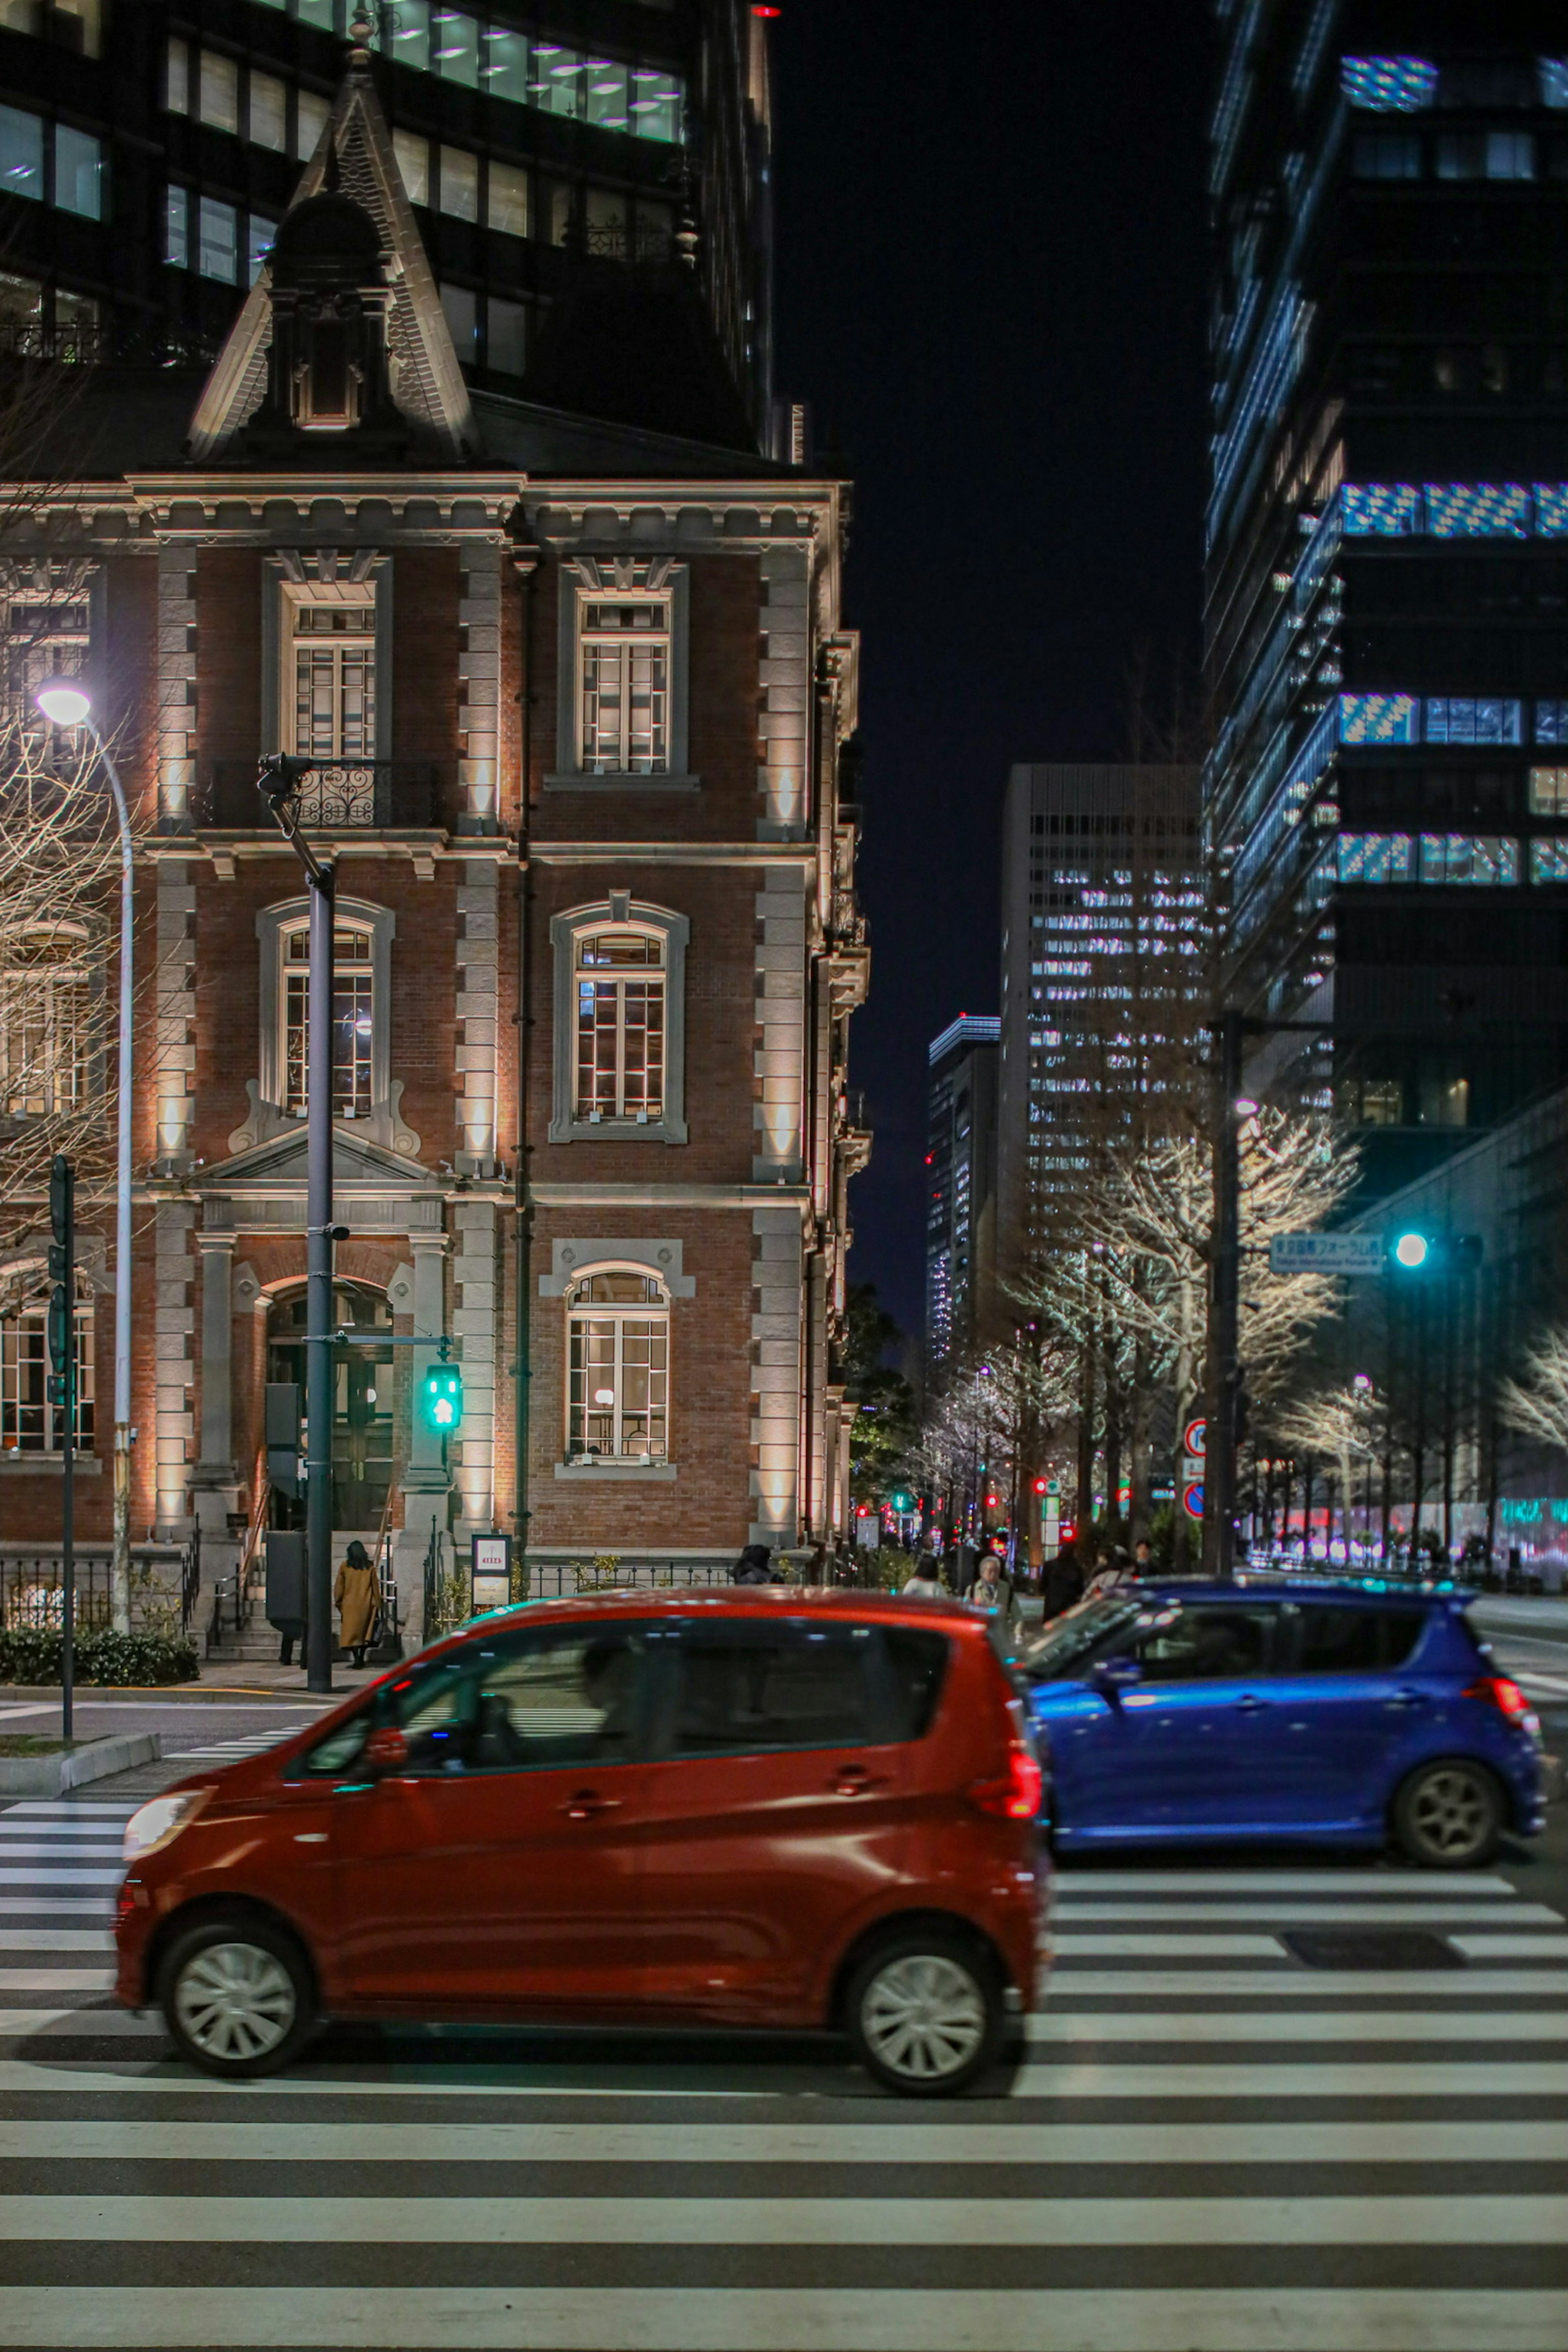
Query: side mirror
[(1111, 1677), (386, 1750)]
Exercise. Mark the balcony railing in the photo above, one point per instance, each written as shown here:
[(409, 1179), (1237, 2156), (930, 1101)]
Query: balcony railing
[(348, 796)]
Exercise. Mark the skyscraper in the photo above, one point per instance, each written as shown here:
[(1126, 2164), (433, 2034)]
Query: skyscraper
[(1103, 925), (148, 150), (961, 1182), (1387, 595)]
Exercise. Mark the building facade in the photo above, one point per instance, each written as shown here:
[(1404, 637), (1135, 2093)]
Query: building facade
[(1104, 922), (961, 1183), (1387, 599), (575, 690), (148, 150)]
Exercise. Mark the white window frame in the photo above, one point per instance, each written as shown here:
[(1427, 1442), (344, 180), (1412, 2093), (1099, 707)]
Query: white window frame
[(587, 582), (294, 1021), (618, 911), (285, 588), (55, 640), (272, 925), (614, 981), (617, 1315), (39, 974), (23, 1348)]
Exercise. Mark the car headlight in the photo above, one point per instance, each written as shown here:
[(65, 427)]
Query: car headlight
[(154, 1824)]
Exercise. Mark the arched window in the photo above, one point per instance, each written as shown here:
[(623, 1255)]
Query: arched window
[(353, 1018), (45, 998), (617, 1388), (620, 989), (30, 1422)]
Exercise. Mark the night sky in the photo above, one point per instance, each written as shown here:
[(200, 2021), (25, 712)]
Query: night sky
[(991, 252)]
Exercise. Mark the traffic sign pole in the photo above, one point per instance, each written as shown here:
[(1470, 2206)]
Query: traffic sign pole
[(62, 1388)]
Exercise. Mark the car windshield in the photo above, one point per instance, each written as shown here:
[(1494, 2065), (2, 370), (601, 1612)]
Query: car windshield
[(1070, 1641)]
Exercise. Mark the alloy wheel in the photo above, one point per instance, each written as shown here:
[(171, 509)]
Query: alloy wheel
[(924, 2017), (234, 2001), (1450, 1813)]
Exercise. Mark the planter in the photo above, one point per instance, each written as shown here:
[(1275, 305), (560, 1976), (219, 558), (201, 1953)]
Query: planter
[(73, 1767)]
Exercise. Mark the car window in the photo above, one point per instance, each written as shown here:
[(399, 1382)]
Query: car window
[(1070, 1641), (1355, 1641), (916, 1664), (769, 1686), (1208, 1642)]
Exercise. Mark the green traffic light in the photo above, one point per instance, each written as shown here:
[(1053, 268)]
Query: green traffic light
[(443, 1396), (1412, 1251)]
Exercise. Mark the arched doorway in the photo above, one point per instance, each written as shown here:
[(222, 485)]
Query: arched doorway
[(364, 1401)]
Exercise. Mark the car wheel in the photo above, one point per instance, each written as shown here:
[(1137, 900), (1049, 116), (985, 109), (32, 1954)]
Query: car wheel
[(924, 2013), (236, 1997), (1449, 1814)]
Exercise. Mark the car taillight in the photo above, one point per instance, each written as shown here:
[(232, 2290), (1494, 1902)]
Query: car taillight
[(1015, 1795), (1497, 1691)]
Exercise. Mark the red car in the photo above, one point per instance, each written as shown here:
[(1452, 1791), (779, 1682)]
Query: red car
[(744, 1808)]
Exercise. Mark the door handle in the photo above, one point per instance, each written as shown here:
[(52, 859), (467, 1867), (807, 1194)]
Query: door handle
[(1406, 1698), (1250, 1703), (854, 1781), (586, 1803)]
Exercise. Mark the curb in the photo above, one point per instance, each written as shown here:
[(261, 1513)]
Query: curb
[(51, 1776)]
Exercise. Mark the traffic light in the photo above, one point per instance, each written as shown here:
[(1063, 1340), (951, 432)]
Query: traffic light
[(1041, 1484), (1411, 1250), (442, 1397), (900, 1499)]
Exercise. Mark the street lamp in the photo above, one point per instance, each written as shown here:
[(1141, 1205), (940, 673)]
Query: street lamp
[(66, 702)]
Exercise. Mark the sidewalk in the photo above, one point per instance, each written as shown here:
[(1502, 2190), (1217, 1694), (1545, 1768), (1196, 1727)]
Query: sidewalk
[(252, 1679)]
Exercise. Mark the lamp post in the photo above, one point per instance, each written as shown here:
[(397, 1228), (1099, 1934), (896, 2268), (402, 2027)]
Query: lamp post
[(278, 781), (66, 702)]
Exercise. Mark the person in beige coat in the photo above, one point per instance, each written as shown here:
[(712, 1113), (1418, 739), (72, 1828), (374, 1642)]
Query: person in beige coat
[(356, 1594)]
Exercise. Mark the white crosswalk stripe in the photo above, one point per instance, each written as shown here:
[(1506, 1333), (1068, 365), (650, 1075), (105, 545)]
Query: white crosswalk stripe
[(1200, 2145)]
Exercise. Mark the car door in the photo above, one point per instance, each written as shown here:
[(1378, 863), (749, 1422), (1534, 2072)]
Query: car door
[(497, 1866), (777, 1807), (1349, 1698), (1191, 1746)]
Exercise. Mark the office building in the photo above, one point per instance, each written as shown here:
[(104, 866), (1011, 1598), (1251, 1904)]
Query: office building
[(575, 693), (148, 150), (1387, 587), (1104, 926), (961, 1183)]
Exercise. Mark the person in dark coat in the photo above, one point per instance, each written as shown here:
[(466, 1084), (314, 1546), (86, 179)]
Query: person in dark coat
[(1062, 1583), (752, 1567)]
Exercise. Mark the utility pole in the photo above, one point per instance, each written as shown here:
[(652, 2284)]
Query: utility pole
[(279, 780), (62, 1388), (1225, 1306)]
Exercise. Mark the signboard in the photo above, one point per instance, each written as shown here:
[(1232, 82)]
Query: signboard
[(1193, 1501), (1357, 1253), (1051, 1519), (491, 1572), (1194, 1437)]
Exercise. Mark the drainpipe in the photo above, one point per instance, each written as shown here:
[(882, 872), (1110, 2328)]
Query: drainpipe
[(522, 1196)]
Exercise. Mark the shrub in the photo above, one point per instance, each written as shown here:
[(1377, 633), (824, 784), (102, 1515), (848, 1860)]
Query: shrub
[(32, 1654)]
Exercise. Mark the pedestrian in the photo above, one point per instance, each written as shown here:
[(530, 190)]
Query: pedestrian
[(1062, 1583), (752, 1568), (356, 1595), (992, 1590), (1142, 1558), (925, 1583), (1108, 1572)]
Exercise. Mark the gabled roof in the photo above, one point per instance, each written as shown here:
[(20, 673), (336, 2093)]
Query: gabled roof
[(354, 154)]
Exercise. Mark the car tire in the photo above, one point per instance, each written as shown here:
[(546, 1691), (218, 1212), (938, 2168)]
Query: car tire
[(925, 2011), (236, 1997), (1449, 1814)]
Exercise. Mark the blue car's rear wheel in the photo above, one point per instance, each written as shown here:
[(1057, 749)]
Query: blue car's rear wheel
[(1448, 1815)]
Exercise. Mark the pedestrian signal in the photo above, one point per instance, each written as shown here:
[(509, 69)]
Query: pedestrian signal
[(442, 1398)]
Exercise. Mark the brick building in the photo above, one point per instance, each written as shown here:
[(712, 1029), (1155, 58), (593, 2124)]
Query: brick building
[(577, 688)]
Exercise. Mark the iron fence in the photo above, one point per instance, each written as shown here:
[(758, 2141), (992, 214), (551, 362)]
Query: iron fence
[(341, 796), (165, 1581)]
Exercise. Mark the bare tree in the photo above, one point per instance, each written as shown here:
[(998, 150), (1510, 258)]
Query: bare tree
[(1537, 1404)]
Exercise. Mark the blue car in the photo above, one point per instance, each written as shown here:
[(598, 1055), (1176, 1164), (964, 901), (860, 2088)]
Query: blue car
[(1282, 1708)]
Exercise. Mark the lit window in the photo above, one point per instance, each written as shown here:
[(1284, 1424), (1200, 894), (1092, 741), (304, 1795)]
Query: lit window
[(1485, 858), (217, 247), (30, 1422), (506, 199), (78, 173), (1552, 509), (1554, 75), (1511, 155), (556, 83), (459, 183), (655, 104), (1379, 718), (45, 997), (310, 114), (260, 233), (1478, 509), (1387, 155), (1551, 722), (329, 687), (21, 153), (1380, 509), (177, 77), (504, 71), (620, 998), (176, 228), (1472, 719), (45, 637), (455, 46), (268, 111), (414, 163), (617, 1401), (354, 1019), (218, 85), (1548, 792), (460, 308), (608, 93), (1375, 857), (404, 34), (1389, 85), (1549, 861), (624, 721)]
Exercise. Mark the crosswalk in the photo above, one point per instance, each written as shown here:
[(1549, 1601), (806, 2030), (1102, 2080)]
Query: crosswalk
[(229, 1751), (1200, 2145)]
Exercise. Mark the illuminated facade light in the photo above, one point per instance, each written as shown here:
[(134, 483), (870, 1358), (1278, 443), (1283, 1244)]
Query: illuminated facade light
[(1389, 85)]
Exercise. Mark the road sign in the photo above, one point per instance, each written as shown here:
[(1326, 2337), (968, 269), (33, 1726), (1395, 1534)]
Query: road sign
[(490, 1573), (1326, 1254), (1194, 1437), (1193, 1501)]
